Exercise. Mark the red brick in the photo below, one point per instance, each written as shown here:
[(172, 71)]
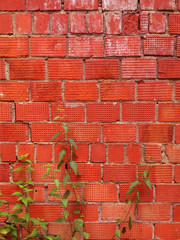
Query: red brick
[(60, 147), (5, 112), (85, 132), (167, 231), (41, 23), (116, 153), (98, 153), (139, 231), (144, 22), (156, 133), (8, 5), (169, 68), (7, 191), (101, 230), (44, 153), (65, 68), (134, 153), (13, 132), (177, 85), (82, 153), (85, 47), (100, 193), (153, 152), (4, 172), (119, 5), (22, 174), (158, 4), (48, 46), (6, 26), (95, 22), (43, 5), (173, 153), (32, 112), (82, 91), (154, 91), (178, 47), (115, 91), (46, 91), (23, 23), (59, 24), (176, 216), (11, 149), (123, 46), (14, 47), (157, 23), (26, 148), (38, 193), (119, 173), (113, 23), (115, 133), (63, 230), (14, 91), (3, 209), (174, 23), (159, 45), (27, 69), (177, 173), (80, 5), (154, 212), (168, 193), (131, 23), (78, 22), (169, 112), (139, 68), (2, 70), (177, 133), (103, 112), (138, 112)]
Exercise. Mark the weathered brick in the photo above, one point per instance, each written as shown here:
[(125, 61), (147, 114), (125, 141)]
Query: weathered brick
[(4, 172), (173, 153), (43, 5), (156, 133), (44, 153), (23, 23), (144, 22), (169, 112), (177, 91), (159, 45), (123, 46), (153, 152), (176, 211), (80, 5), (157, 4), (113, 23), (5, 112), (174, 23), (177, 174), (41, 23), (11, 149), (101, 230), (119, 5), (59, 24), (167, 231), (78, 22), (65, 68), (168, 193), (8, 5), (157, 23), (47, 212), (95, 22), (177, 133), (131, 23), (134, 153), (169, 68), (116, 153), (2, 70), (139, 68), (85, 46), (6, 26), (98, 153), (115, 133)]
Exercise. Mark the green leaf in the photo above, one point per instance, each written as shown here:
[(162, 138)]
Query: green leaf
[(73, 165), (55, 136), (55, 195), (62, 153), (72, 142), (27, 216), (19, 182), (117, 233), (57, 183), (73, 238), (30, 169), (17, 212), (44, 175), (65, 128), (3, 214), (137, 197), (77, 211), (28, 161), (59, 165), (86, 235), (53, 190), (33, 234), (66, 179), (130, 223), (124, 229), (66, 194), (60, 220), (19, 205), (130, 191), (148, 183), (79, 222), (18, 194), (81, 184), (4, 231), (146, 174), (29, 182), (65, 202), (17, 169), (66, 214), (134, 184), (57, 117), (128, 201), (118, 221)]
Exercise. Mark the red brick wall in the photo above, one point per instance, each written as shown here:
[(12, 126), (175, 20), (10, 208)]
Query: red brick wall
[(114, 66)]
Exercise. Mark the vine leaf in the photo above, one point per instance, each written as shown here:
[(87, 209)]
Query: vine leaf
[(73, 165)]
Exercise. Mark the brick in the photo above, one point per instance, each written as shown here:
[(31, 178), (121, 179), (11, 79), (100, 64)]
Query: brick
[(113, 23), (176, 173), (95, 22), (46, 91), (8, 5), (59, 24), (154, 91), (3, 209), (32, 112), (78, 22), (116, 153), (98, 153), (90, 212), (115, 90), (167, 231), (177, 90), (61, 229), (80, 5), (177, 140), (159, 173), (43, 5), (22, 174), (169, 68), (134, 153), (131, 23), (27, 69), (26, 148), (14, 91), (178, 46), (13, 132), (115, 133), (2, 70), (157, 5), (159, 45), (173, 153), (82, 153), (153, 152), (85, 46), (38, 193), (65, 68), (85, 132), (23, 23), (5, 113), (138, 112), (169, 112), (123, 46), (174, 21), (112, 212), (100, 193), (119, 173), (168, 193), (6, 26), (11, 149), (44, 153), (156, 133), (144, 22), (139, 68), (14, 47), (139, 231), (60, 147), (41, 23), (119, 5), (82, 91), (7, 191), (103, 112), (47, 212), (176, 215), (4, 172), (157, 23), (101, 230), (48, 46), (154, 212)]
